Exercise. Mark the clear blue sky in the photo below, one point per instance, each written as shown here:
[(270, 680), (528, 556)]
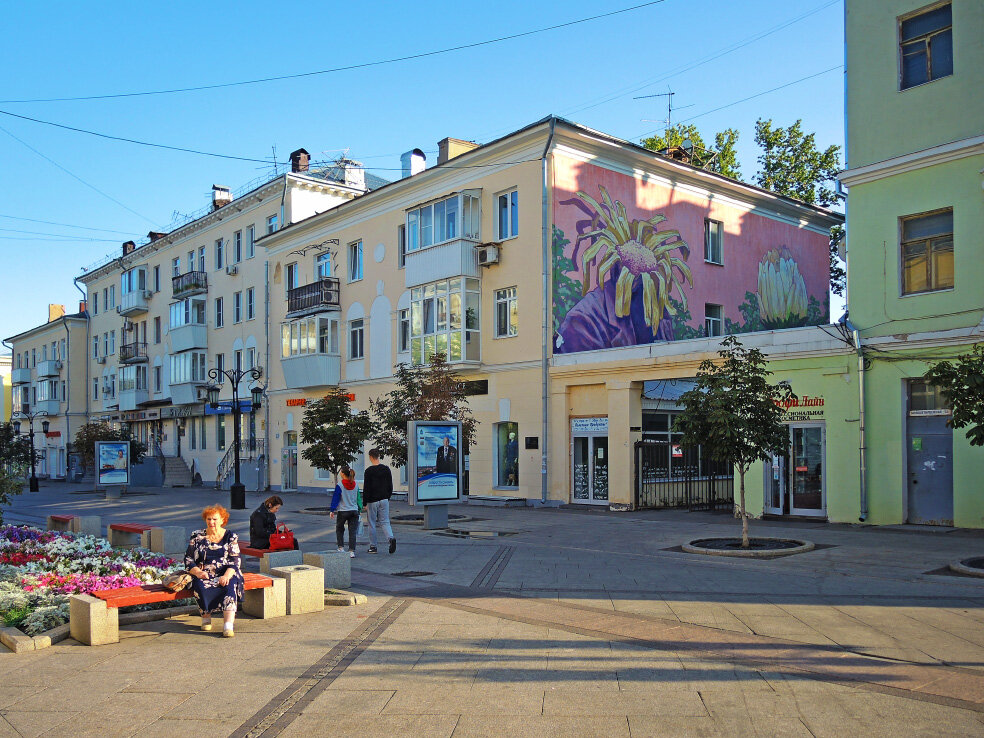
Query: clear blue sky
[(588, 72)]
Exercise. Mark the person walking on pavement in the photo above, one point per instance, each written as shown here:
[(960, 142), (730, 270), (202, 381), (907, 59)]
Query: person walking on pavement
[(378, 488), (346, 505)]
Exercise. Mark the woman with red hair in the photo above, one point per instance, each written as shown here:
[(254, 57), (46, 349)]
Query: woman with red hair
[(213, 560)]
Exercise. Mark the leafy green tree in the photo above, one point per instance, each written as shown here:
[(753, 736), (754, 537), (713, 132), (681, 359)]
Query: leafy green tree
[(792, 165), (333, 434), (721, 158), (429, 392), (88, 434), (962, 384), (15, 457), (734, 414)]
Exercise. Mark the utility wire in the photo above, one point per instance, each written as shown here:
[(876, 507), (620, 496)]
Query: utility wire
[(347, 68), (75, 176), (67, 225), (700, 62), (132, 140), (56, 235), (745, 99)]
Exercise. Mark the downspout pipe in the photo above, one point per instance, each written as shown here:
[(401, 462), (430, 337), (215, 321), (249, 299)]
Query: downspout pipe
[(545, 288), (10, 347), (856, 336), (266, 405), (88, 340)]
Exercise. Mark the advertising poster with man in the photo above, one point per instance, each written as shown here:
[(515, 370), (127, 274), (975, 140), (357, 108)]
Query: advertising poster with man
[(113, 463), (437, 461)]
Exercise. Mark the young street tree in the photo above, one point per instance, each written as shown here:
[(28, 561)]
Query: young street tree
[(962, 384), (15, 457), (332, 433), (431, 392), (734, 414), (88, 434)]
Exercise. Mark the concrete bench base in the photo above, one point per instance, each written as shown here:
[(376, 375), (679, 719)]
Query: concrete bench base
[(275, 559), (171, 540), (269, 602), (337, 566), (305, 588), (93, 623)]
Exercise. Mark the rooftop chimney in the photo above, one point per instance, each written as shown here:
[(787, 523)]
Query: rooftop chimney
[(448, 148), (55, 311), (299, 160), (155, 235), (413, 162), (220, 196), (355, 175), (82, 306), (129, 247)]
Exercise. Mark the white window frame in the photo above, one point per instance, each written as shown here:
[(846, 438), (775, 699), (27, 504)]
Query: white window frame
[(237, 307), (291, 278), (219, 254), (219, 310), (356, 342), (506, 298), (356, 261), (509, 198), (271, 224), (237, 247), (713, 241), (250, 303), (403, 330), (713, 323), (250, 241)]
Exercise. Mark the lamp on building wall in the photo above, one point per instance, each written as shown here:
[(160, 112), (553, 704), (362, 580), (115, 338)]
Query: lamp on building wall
[(33, 484), (237, 492)]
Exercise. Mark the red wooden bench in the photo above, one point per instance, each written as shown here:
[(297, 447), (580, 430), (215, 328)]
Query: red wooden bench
[(131, 533), (254, 552), (148, 593), (60, 522)]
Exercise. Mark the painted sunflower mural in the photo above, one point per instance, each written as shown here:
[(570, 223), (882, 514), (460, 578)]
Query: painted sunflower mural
[(637, 268)]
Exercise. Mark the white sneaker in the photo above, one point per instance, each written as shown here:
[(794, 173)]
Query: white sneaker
[(351, 554), (341, 550)]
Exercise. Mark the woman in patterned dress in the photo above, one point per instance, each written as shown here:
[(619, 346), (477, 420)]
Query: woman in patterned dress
[(213, 560)]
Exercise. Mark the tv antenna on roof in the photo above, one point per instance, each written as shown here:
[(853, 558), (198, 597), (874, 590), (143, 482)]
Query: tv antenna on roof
[(669, 107)]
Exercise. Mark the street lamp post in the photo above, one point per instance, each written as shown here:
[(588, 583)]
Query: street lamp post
[(237, 493), (33, 486)]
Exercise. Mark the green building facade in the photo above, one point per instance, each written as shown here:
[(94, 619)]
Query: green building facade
[(915, 250)]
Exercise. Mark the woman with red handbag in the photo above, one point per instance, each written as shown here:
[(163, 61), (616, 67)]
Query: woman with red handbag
[(263, 525)]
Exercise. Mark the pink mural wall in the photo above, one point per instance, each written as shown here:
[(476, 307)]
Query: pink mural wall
[(629, 266)]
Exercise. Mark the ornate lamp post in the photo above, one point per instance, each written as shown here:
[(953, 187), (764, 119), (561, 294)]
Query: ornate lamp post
[(237, 493), (44, 429)]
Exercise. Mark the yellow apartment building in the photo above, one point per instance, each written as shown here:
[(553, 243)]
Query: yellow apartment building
[(48, 380)]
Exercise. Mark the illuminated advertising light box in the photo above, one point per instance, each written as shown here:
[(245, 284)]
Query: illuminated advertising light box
[(434, 460), (112, 463)]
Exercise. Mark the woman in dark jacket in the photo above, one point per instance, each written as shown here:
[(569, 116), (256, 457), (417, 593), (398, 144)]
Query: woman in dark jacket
[(263, 522)]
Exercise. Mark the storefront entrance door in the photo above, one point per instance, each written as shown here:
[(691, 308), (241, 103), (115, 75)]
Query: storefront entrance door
[(794, 482), (288, 462), (589, 455)]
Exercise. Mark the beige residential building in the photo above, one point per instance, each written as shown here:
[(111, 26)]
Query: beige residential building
[(48, 379), (564, 273), (167, 317)]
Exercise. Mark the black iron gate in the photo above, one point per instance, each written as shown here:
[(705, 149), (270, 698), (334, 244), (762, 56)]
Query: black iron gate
[(668, 475)]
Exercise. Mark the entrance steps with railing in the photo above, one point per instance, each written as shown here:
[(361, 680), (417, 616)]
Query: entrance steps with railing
[(176, 472)]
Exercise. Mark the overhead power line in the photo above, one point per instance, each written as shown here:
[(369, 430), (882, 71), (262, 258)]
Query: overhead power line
[(333, 70), (132, 140), (745, 99), (67, 225), (75, 176)]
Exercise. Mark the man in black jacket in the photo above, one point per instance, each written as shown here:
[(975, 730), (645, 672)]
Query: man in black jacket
[(377, 488)]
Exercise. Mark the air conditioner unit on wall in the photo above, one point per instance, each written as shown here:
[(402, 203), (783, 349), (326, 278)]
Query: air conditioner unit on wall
[(488, 254), (100, 359), (232, 269), (148, 294), (202, 393)]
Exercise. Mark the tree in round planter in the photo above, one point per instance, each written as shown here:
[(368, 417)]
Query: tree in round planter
[(735, 414)]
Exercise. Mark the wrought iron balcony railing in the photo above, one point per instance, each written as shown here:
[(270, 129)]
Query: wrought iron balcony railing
[(309, 298), (189, 283)]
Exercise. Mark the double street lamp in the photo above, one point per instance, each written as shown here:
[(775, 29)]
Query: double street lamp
[(29, 416), (237, 493)]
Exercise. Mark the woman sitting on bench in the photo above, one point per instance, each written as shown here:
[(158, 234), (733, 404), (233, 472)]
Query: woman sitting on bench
[(213, 559)]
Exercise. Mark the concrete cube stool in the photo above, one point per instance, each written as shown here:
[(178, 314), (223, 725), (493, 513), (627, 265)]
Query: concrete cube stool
[(273, 559), (60, 522), (305, 588), (126, 535), (337, 566), (170, 539), (269, 602), (89, 525), (93, 623)]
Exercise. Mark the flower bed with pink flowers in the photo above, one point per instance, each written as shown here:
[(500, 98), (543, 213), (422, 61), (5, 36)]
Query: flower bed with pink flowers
[(41, 570)]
